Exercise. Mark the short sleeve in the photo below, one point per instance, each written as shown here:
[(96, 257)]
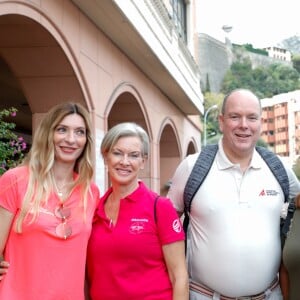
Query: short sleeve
[(169, 226), (13, 184), (179, 181)]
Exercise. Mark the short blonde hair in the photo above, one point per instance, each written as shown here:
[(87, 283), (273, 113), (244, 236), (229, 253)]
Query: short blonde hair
[(124, 130)]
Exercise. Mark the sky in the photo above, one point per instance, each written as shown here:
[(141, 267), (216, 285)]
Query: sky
[(261, 23)]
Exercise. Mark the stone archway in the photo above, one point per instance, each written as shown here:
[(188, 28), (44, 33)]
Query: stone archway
[(169, 156), (191, 148)]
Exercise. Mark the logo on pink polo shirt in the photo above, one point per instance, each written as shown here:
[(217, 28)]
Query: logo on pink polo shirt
[(137, 225), (177, 226)]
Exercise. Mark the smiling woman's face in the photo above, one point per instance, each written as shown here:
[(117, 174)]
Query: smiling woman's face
[(125, 160), (69, 138)]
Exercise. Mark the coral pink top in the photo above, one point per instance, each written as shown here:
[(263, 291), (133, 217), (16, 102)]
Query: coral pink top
[(43, 265)]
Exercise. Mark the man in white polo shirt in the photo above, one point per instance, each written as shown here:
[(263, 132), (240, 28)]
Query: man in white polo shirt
[(234, 248)]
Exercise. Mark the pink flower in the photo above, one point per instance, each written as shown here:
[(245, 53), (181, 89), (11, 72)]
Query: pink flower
[(13, 113)]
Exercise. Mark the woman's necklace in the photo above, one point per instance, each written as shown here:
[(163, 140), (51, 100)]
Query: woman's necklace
[(60, 191), (111, 208)]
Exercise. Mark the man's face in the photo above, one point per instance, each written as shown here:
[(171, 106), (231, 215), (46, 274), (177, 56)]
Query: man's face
[(240, 123)]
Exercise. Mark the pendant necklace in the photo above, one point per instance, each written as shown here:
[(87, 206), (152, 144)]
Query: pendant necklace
[(59, 191)]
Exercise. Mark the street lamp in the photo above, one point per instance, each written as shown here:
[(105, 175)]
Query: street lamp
[(215, 106), (227, 28)]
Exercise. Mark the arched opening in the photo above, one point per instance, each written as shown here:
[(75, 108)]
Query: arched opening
[(169, 157), (35, 72), (11, 95), (190, 149)]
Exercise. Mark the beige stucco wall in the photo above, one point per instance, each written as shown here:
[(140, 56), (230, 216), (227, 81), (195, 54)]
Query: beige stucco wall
[(101, 76)]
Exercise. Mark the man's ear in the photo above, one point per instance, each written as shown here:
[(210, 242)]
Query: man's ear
[(221, 121)]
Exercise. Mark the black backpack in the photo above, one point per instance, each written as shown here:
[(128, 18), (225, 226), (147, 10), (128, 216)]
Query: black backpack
[(203, 165)]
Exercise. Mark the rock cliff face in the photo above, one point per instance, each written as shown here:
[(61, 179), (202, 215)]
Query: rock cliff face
[(292, 44), (215, 59)]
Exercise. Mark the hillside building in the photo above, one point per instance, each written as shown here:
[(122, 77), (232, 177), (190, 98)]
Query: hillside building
[(279, 53)]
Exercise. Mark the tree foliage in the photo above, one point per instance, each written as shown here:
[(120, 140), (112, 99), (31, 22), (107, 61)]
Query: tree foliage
[(12, 147), (296, 62), (212, 124), (249, 47), (265, 82)]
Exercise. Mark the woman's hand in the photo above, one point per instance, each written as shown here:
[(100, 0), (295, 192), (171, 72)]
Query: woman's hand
[(4, 265), (6, 218)]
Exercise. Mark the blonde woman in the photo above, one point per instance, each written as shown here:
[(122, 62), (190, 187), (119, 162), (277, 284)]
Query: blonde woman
[(46, 210)]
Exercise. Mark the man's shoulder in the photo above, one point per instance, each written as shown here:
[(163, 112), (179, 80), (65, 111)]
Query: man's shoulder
[(205, 150), (207, 154), (191, 159)]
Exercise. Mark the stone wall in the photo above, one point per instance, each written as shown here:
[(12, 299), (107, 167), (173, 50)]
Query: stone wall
[(214, 61)]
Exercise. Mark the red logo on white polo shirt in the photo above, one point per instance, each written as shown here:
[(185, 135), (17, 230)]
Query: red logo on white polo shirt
[(268, 193), (262, 193)]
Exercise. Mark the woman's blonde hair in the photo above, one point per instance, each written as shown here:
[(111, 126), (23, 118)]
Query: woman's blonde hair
[(41, 158)]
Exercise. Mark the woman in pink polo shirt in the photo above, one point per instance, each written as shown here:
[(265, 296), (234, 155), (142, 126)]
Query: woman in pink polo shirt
[(136, 249), (46, 211)]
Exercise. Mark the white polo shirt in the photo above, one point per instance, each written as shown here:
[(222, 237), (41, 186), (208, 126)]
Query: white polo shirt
[(234, 232)]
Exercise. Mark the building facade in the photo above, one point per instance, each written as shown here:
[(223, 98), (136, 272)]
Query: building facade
[(124, 60), (281, 124), (279, 53)]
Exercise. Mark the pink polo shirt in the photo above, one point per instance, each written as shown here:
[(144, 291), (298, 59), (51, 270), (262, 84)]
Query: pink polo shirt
[(44, 266), (126, 261)]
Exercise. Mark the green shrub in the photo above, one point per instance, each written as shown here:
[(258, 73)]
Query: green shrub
[(12, 146)]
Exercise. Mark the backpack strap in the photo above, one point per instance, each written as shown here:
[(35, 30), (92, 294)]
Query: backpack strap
[(198, 174), (279, 171), (155, 204)]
